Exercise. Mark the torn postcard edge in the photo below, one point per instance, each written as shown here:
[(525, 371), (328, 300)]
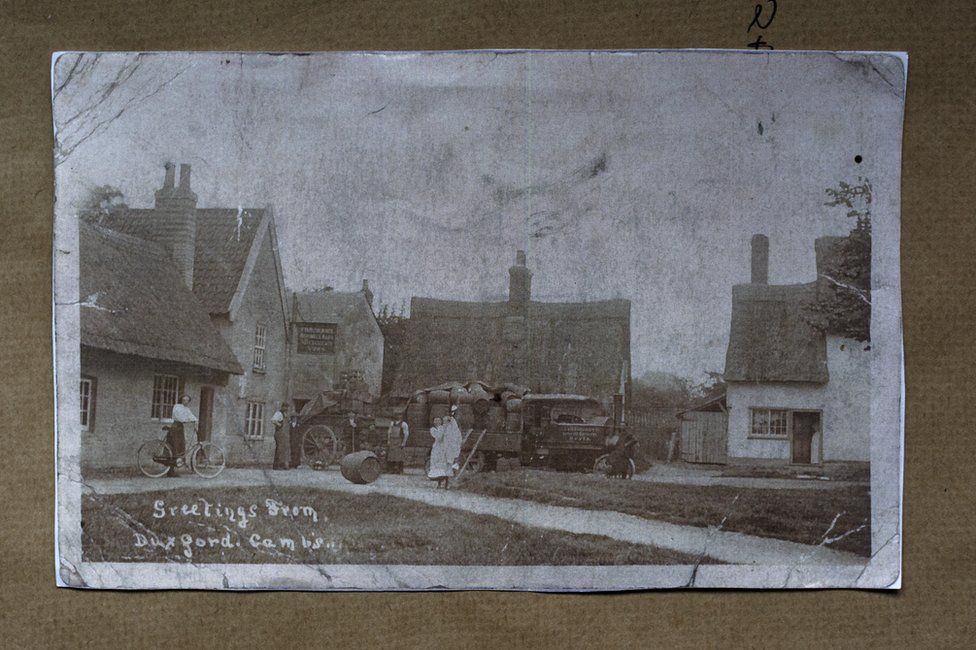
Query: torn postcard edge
[(552, 321)]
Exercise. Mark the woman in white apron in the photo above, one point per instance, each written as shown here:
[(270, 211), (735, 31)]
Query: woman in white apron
[(445, 451)]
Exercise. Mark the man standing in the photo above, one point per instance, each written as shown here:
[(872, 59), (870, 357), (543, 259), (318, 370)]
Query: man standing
[(176, 437), (350, 426), (396, 440), (280, 438), (294, 441)]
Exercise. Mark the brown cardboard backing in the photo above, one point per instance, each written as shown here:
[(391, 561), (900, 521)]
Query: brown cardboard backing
[(936, 605)]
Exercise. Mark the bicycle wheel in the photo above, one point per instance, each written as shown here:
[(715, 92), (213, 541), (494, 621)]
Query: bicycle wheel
[(207, 459), (155, 458)]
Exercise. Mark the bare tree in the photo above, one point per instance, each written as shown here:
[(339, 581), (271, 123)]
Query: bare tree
[(92, 90)]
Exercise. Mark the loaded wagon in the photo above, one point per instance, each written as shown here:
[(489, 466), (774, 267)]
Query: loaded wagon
[(488, 417), (506, 426)]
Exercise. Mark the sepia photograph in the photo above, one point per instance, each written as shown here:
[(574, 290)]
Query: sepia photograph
[(524, 320)]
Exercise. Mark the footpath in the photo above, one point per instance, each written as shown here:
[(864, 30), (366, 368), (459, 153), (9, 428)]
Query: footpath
[(731, 547)]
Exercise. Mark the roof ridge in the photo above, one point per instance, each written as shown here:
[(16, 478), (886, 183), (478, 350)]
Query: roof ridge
[(128, 238)]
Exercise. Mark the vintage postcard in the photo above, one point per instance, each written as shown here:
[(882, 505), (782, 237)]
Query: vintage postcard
[(539, 320)]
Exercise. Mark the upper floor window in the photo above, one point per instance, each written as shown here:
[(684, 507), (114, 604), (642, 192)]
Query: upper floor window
[(87, 403), (166, 390), (260, 346)]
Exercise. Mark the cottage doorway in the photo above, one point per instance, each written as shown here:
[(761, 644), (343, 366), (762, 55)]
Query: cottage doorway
[(806, 432), (205, 423)]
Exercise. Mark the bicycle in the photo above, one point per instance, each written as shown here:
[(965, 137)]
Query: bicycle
[(205, 458)]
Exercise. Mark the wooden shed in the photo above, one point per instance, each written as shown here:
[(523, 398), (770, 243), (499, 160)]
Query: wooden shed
[(704, 432)]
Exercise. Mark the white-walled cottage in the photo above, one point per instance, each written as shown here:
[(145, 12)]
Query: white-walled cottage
[(796, 393)]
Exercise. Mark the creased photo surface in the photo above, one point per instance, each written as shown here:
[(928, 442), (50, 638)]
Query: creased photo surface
[(533, 320)]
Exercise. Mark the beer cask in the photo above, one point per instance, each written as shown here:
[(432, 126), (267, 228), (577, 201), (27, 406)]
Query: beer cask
[(360, 467), (513, 423), (465, 416), (496, 418), (438, 411), (416, 416), (439, 397)]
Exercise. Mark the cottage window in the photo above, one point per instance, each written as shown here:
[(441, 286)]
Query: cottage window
[(260, 344), (166, 389), (254, 420), (769, 423), (87, 403)]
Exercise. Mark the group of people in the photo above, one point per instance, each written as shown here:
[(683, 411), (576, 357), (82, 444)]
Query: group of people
[(288, 453), (288, 440), (446, 450)]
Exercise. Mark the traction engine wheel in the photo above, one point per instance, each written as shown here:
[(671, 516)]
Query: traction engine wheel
[(320, 447)]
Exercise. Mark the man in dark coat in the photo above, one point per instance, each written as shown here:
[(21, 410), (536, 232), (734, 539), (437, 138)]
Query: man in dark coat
[(621, 455), (295, 441)]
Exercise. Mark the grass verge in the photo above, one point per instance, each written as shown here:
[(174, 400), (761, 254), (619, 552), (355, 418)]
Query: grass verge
[(223, 525), (800, 515)]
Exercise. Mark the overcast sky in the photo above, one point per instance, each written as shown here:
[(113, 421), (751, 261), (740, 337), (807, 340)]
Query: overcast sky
[(638, 176)]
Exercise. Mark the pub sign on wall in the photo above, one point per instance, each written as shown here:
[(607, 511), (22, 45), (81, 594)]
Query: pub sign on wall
[(316, 338)]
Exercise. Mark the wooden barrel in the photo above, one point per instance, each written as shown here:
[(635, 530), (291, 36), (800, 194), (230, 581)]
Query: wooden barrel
[(478, 392), (465, 416), (513, 422), (416, 415), (439, 397), (361, 467), (481, 406), (496, 418), (438, 411)]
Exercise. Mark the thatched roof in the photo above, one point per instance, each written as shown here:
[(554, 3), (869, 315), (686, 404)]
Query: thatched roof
[(770, 341), (551, 347), (223, 243), (134, 302)]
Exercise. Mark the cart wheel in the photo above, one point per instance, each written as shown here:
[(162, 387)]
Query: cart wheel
[(155, 458), (602, 465), (208, 460), (320, 447)]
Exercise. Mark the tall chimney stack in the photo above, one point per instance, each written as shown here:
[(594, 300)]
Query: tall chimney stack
[(519, 282), (368, 293), (168, 180), (760, 259), (185, 179), (176, 216)]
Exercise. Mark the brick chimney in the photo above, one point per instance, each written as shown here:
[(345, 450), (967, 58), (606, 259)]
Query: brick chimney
[(368, 293), (519, 282), (176, 215), (760, 259)]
